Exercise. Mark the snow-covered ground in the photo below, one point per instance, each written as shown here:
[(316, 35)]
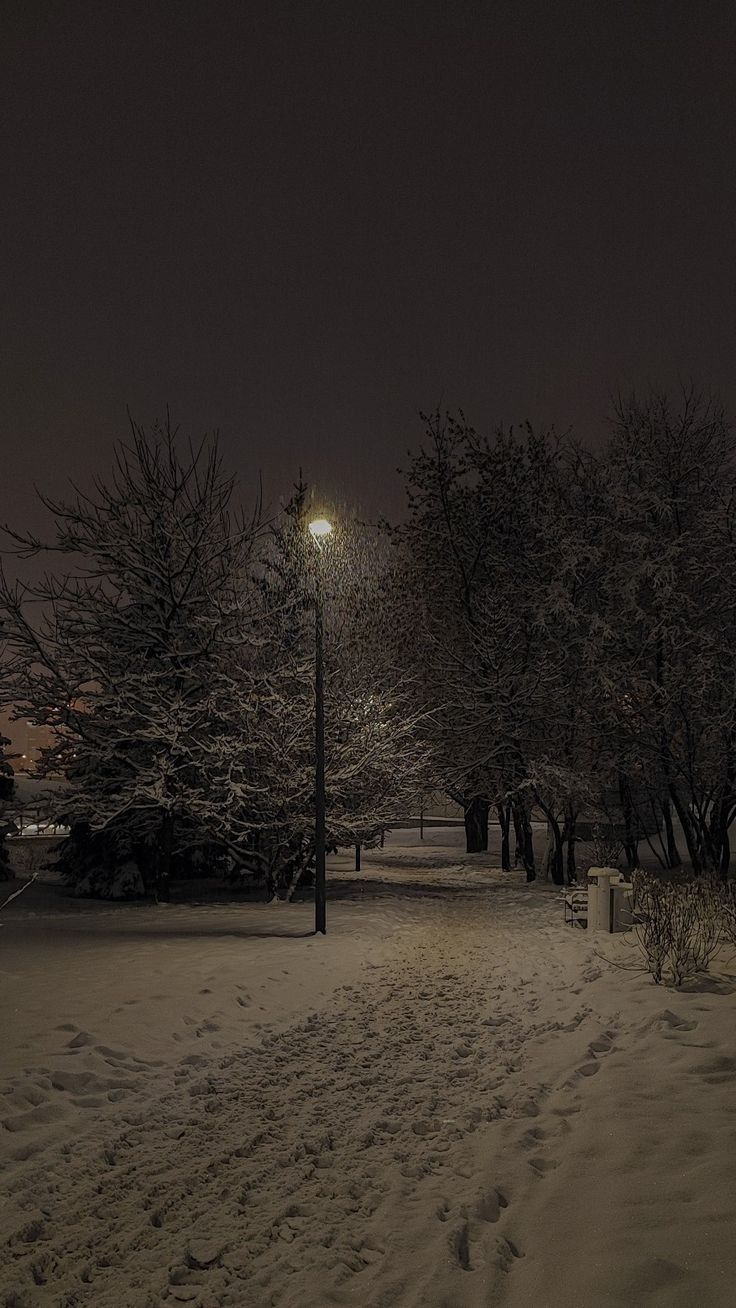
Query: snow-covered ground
[(452, 1099)]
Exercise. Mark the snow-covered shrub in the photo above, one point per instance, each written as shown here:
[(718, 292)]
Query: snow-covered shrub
[(100, 864), (200, 862), (727, 909), (109, 864), (122, 882), (708, 902), (650, 918), (30, 857), (678, 925)]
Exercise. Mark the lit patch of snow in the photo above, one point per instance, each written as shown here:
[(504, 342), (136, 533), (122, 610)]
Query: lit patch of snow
[(451, 1099)]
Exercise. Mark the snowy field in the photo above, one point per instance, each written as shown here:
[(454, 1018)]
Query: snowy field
[(452, 1099)]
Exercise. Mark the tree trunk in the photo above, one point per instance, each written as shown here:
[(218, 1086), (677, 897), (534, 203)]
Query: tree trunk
[(357, 858), (553, 864), (504, 822), (673, 853), (720, 842), (691, 838), (725, 863), (476, 825), (163, 872), (631, 844), (568, 836), (709, 839), (524, 839), (518, 835)]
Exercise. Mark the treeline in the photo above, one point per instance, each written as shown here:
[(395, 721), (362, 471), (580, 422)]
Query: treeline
[(550, 630), (574, 617)]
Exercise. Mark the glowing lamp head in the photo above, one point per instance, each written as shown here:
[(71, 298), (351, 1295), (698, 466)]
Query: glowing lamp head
[(320, 527)]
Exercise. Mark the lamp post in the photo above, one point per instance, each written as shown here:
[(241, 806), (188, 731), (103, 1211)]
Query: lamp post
[(319, 529)]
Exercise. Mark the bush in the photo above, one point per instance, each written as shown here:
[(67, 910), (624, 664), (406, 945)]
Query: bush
[(107, 864), (728, 912), (679, 924), (100, 864)]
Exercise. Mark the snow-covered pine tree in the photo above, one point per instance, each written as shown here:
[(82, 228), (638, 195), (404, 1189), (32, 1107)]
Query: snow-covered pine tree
[(133, 655)]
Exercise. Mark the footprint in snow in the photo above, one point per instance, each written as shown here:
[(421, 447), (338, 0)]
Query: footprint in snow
[(533, 1137), (81, 1039), (542, 1165), (718, 1071), (600, 1046), (588, 1069), (207, 1026), (673, 1021), (489, 1206), (460, 1246), (506, 1254)]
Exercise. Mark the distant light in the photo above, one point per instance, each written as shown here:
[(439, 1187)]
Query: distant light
[(320, 527)]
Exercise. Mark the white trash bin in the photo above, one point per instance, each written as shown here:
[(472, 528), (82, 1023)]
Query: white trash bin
[(600, 880)]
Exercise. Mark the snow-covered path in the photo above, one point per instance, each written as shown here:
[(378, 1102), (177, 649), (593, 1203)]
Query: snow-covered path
[(474, 1108)]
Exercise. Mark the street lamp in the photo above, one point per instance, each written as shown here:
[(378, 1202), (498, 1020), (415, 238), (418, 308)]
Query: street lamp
[(319, 530)]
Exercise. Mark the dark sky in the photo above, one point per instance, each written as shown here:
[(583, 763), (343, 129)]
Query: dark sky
[(302, 222)]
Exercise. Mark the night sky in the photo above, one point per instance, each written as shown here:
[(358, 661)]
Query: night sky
[(303, 222)]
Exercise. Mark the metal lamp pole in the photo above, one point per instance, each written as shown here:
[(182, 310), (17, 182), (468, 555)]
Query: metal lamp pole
[(319, 529)]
